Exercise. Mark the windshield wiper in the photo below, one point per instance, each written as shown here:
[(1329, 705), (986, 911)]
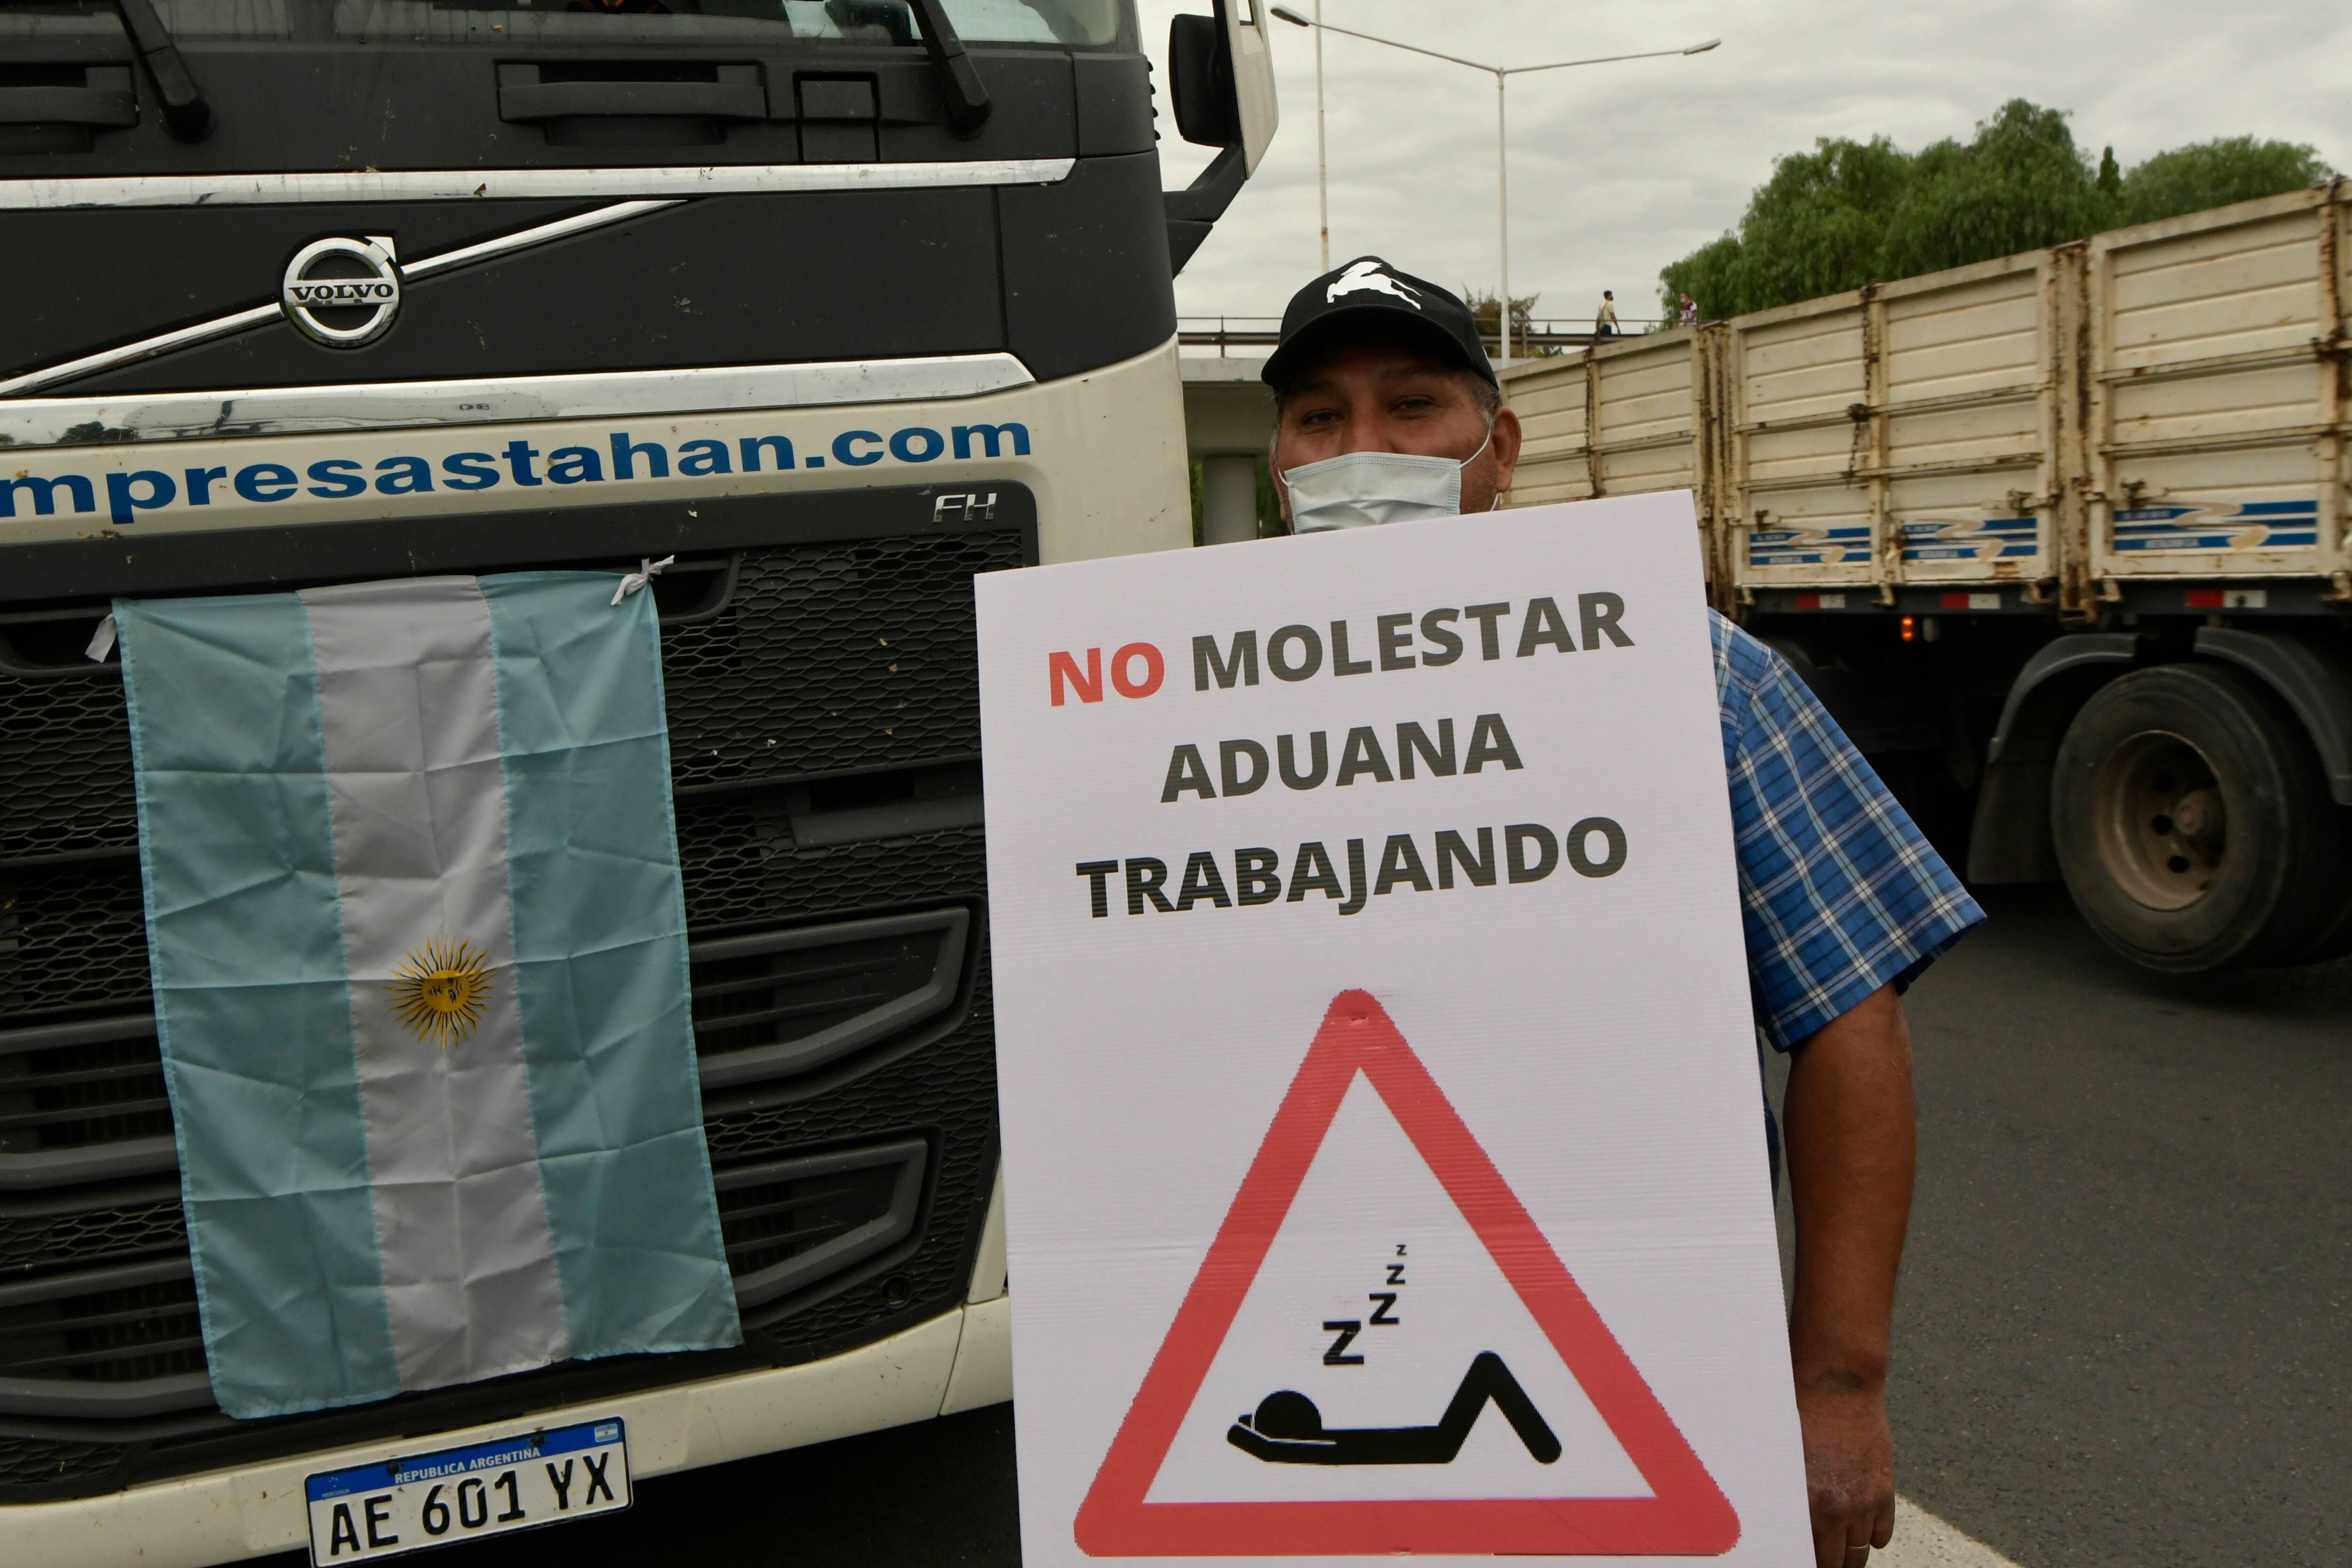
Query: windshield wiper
[(186, 115), (959, 84)]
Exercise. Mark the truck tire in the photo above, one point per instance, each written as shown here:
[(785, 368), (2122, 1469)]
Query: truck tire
[(2192, 823)]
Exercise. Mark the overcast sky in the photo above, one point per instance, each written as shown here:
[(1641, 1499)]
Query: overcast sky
[(1618, 169)]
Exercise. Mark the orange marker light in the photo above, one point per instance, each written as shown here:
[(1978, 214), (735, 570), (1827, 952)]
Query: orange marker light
[(1910, 629)]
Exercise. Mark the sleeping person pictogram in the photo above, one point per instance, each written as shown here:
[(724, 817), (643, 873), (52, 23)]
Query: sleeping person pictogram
[(1287, 1429)]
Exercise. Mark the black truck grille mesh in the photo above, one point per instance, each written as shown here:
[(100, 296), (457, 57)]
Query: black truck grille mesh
[(110, 1232), (71, 937), (28, 1465), (831, 659), (821, 662), (68, 766)]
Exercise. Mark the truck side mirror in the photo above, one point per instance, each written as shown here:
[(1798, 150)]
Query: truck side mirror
[(1201, 80), (1221, 70), (1252, 74)]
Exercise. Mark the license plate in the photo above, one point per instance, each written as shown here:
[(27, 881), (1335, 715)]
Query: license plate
[(407, 1504)]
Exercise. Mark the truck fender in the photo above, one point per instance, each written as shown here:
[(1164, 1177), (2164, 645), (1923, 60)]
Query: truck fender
[(1877, 719), (2314, 684), (2009, 839)]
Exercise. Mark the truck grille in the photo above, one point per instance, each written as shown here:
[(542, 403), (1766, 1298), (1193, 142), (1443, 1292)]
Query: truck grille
[(38, 1465), (786, 1223), (831, 659), (51, 1229), (69, 771), (136, 1328), (77, 1088), (824, 731), (72, 936)]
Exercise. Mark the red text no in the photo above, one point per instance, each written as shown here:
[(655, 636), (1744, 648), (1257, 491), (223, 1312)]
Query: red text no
[(1061, 669)]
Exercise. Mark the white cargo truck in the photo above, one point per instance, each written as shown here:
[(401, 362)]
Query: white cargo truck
[(2059, 538)]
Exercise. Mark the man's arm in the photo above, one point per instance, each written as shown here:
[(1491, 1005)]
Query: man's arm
[(1851, 1141)]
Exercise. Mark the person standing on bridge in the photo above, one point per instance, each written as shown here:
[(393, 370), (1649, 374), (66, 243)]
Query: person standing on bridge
[(1388, 410), (1604, 319)]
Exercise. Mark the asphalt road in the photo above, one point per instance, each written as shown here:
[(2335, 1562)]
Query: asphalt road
[(2125, 1330)]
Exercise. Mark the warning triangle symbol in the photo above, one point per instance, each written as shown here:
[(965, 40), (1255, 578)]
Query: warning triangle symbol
[(1686, 1513)]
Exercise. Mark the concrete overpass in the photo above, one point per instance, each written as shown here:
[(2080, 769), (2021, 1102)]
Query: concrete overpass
[(1228, 425)]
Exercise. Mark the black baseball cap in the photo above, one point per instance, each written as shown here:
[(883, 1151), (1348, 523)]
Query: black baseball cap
[(1369, 290)]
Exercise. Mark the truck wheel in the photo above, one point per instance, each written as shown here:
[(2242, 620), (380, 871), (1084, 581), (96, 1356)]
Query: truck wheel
[(2192, 824)]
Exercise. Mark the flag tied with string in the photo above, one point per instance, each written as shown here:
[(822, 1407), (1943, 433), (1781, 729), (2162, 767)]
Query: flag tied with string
[(418, 939)]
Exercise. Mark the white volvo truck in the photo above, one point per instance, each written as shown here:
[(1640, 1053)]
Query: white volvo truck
[(837, 302), (2060, 540)]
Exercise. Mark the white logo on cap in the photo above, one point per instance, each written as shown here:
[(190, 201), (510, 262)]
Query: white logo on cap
[(1366, 277)]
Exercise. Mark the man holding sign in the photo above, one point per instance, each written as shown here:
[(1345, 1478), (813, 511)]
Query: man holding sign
[(1376, 1052), (1384, 401)]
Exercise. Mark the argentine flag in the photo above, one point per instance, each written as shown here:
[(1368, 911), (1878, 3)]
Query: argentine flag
[(418, 939)]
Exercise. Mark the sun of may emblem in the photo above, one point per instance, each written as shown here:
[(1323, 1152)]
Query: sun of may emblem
[(437, 991)]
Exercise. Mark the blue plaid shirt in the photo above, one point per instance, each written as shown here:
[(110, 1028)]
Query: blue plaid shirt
[(1839, 890)]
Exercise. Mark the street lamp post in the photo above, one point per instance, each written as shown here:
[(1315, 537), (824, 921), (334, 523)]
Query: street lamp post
[(1322, 159), (1502, 141), (1503, 216)]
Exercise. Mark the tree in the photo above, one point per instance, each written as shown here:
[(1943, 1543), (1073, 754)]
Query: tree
[(1816, 226), (2020, 185), (1851, 212), (2215, 174), (1523, 311)]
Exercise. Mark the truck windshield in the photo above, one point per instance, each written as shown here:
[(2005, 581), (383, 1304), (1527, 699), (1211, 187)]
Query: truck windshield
[(1049, 22)]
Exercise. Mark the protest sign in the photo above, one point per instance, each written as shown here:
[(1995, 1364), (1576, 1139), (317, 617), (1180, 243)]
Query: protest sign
[(1385, 1168)]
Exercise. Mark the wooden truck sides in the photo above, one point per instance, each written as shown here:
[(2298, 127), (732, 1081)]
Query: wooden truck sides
[(2060, 537)]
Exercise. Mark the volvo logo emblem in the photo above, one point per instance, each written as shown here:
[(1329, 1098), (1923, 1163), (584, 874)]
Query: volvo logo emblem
[(342, 293)]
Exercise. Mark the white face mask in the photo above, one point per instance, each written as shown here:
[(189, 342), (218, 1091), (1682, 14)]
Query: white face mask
[(1364, 489)]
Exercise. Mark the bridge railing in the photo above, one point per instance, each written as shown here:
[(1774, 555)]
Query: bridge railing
[(1226, 334)]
